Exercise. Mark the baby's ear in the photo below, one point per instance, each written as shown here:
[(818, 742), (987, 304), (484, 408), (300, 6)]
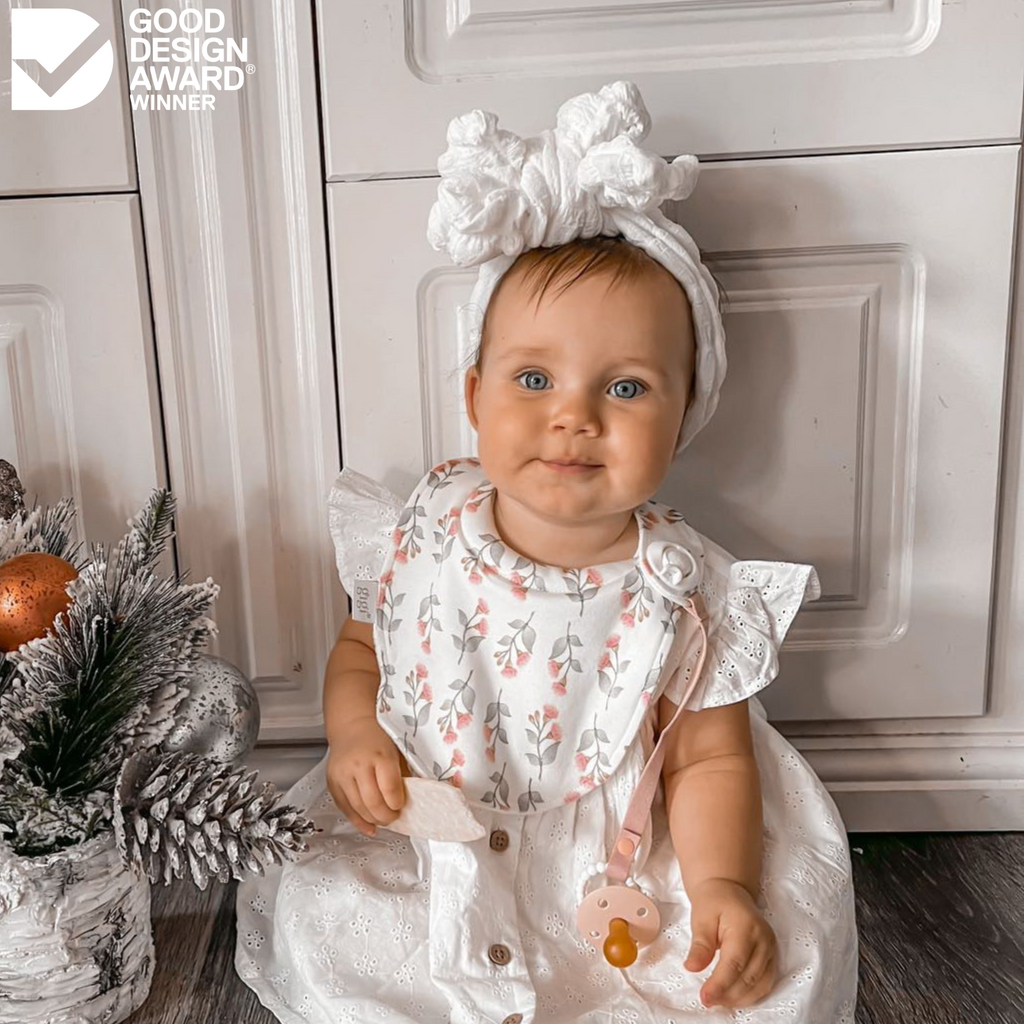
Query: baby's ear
[(471, 390)]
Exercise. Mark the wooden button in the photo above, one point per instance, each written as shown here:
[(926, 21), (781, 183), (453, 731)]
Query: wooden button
[(499, 954), (499, 840), (513, 1018)]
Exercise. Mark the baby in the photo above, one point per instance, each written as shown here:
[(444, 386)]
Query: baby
[(577, 401), (531, 627)]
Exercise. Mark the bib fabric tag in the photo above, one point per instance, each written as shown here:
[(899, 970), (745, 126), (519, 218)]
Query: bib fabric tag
[(363, 599)]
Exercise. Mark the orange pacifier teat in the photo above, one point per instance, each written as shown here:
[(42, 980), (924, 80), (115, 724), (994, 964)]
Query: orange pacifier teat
[(618, 918)]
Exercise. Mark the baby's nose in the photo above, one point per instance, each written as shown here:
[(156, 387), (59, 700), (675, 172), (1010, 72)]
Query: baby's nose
[(576, 411)]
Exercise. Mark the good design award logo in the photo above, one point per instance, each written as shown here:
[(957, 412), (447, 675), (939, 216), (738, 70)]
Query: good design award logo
[(177, 60), (72, 67)]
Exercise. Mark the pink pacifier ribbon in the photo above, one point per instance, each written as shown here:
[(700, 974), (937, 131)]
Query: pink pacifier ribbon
[(643, 796), (617, 918)]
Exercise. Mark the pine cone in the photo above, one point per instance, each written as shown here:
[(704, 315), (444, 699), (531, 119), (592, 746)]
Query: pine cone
[(176, 809)]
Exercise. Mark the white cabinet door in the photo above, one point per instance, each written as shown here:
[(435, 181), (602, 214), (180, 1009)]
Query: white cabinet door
[(859, 424), (84, 148), (858, 428), (719, 78), (79, 409)]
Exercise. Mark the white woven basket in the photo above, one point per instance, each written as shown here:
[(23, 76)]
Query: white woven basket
[(76, 941)]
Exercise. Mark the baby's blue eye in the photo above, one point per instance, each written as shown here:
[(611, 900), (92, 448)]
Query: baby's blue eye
[(540, 378), (627, 383), (532, 373)]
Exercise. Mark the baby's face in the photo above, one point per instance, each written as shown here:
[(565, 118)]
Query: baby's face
[(598, 373)]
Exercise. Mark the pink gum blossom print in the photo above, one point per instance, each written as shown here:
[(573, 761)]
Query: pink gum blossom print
[(451, 718), (561, 660), (654, 675), (444, 537), (493, 552), (493, 734), (474, 629), (476, 568), (581, 585), (408, 533), (546, 736), (518, 590), (417, 694), (473, 562), (387, 604), (488, 559), (451, 773), (383, 692), (441, 474), (591, 760), (636, 598), (528, 801), (498, 796), (514, 649), (609, 667), (426, 621), (524, 577)]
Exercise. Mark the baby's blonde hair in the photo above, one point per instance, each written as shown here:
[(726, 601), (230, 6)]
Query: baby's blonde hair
[(544, 266)]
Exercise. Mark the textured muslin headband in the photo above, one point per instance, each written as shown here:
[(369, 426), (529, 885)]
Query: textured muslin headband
[(500, 195)]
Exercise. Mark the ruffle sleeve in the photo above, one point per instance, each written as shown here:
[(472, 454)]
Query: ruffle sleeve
[(750, 605), (361, 516)]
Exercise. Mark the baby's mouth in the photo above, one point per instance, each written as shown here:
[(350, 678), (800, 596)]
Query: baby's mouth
[(560, 466)]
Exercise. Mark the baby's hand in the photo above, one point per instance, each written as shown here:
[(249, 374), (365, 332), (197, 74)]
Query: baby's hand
[(724, 914), (364, 774)]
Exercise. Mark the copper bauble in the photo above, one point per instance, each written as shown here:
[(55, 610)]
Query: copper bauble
[(32, 595)]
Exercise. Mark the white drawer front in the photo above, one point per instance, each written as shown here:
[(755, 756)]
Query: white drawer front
[(719, 78)]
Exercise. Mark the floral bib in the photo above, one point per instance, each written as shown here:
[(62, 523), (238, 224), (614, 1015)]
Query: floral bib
[(521, 683)]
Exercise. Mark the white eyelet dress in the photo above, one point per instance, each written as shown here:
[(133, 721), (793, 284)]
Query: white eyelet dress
[(534, 689)]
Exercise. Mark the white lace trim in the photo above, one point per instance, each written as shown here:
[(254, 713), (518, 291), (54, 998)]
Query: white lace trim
[(361, 516), (751, 605)]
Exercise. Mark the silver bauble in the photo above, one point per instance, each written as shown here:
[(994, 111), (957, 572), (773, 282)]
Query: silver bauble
[(220, 718), (12, 493)]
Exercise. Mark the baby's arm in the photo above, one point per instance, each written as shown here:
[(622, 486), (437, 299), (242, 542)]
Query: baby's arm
[(713, 795), (364, 769), (713, 801), (351, 678)]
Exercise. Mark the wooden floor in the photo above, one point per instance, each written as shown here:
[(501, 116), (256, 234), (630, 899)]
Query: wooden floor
[(940, 920)]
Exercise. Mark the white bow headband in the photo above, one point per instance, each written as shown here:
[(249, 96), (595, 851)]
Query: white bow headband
[(500, 195)]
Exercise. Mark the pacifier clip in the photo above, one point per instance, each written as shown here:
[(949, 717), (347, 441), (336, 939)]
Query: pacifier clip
[(617, 918)]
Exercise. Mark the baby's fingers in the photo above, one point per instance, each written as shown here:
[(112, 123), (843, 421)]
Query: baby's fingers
[(389, 780), (755, 981), (346, 797), (733, 958), (372, 797)]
